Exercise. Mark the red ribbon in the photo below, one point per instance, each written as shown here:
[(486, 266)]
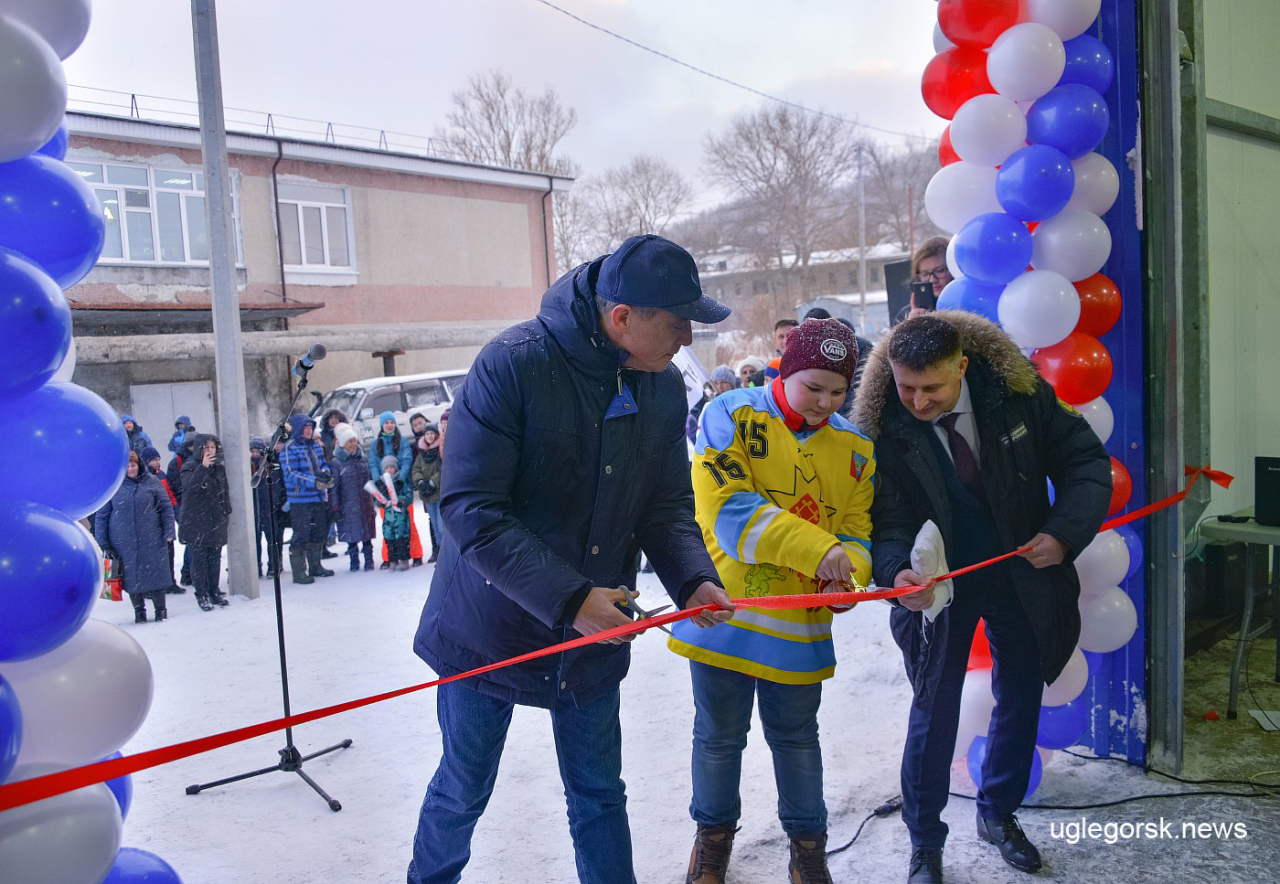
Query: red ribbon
[(49, 785)]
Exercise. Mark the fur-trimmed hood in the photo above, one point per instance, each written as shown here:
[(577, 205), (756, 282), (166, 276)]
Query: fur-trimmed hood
[(982, 341)]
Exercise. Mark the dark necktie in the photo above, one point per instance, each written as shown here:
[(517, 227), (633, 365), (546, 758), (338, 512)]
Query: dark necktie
[(962, 455)]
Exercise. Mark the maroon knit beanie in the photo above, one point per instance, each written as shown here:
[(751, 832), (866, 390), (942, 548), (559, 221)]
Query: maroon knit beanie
[(820, 343)]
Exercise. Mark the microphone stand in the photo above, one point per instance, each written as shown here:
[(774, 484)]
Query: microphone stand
[(290, 759)]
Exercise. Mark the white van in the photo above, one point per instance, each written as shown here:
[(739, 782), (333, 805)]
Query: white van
[(428, 394)]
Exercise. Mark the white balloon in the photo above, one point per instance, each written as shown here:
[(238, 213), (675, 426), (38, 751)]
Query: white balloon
[(1068, 18), (987, 129), (1039, 308), (61, 23), (1097, 184), (940, 41), (1107, 620), (1074, 243), (952, 267), (33, 91), (67, 839), (1070, 683), (964, 739), (1103, 563), (1026, 61), (960, 192), (68, 366), (1100, 417), (977, 702), (84, 699)]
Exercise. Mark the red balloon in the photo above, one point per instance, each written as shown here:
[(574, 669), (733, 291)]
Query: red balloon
[(1121, 487), (953, 77), (976, 22), (980, 650), (946, 153), (1099, 305), (1077, 367)]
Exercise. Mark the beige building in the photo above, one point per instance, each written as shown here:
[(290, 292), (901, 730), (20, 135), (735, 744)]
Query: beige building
[(368, 251)]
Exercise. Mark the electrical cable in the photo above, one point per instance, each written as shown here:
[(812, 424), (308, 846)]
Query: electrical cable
[(726, 80), (893, 805)]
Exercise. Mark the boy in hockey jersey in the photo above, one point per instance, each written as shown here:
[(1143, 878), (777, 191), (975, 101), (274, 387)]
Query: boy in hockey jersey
[(783, 489)]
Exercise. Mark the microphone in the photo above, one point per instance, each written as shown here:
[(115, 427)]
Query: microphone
[(309, 360)]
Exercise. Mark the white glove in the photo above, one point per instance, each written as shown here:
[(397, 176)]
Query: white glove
[(929, 559)]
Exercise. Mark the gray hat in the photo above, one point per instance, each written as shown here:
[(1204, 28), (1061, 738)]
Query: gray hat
[(724, 373), (390, 460)]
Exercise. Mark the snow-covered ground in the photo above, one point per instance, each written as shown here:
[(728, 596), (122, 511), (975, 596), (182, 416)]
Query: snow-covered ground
[(350, 636)]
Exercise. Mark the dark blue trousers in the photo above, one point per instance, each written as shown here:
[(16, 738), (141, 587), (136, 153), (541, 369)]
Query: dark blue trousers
[(931, 730)]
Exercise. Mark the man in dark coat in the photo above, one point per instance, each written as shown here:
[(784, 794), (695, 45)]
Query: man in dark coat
[(966, 434), (268, 504), (204, 517), (566, 457), (138, 438)]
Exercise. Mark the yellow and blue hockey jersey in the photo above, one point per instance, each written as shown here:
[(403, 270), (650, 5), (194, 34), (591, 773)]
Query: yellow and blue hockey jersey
[(772, 498)]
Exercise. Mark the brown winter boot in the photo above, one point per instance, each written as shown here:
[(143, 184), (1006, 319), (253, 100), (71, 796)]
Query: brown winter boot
[(809, 859), (709, 862)]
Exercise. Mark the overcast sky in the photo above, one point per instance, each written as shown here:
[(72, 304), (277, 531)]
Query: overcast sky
[(392, 64)]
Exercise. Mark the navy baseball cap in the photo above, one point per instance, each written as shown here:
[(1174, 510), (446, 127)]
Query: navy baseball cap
[(649, 271)]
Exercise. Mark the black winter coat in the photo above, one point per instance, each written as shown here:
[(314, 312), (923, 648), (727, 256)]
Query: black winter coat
[(560, 467), (206, 499), (356, 517), (1025, 436), (136, 523)]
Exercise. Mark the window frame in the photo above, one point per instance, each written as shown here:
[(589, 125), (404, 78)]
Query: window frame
[(350, 268), (154, 188)]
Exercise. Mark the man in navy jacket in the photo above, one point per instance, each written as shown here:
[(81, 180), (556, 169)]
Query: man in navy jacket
[(565, 457), (966, 434)]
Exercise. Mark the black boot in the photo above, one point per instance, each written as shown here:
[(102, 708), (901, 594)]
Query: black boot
[(314, 568), (327, 553), (353, 553), (368, 556), (1007, 835), (162, 611), (216, 596), (203, 601), (926, 866), (298, 565), (139, 607)]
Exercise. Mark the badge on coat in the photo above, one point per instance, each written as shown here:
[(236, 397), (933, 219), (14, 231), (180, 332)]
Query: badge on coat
[(857, 465)]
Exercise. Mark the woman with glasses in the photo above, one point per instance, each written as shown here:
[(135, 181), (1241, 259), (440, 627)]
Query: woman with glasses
[(928, 264)]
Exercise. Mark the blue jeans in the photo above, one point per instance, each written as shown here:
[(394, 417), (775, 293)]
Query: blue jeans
[(722, 702), (473, 729), (931, 729)]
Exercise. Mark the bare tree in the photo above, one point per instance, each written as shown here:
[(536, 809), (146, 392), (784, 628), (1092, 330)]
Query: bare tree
[(785, 166), (644, 196), (495, 123), (578, 236), (896, 182)]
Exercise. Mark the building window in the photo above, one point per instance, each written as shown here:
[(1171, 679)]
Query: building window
[(315, 226), (153, 215)]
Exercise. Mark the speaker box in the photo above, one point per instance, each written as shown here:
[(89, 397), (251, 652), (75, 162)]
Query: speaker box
[(1266, 490), (1225, 577)]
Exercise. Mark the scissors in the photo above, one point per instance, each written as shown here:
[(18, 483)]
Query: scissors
[(641, 613)]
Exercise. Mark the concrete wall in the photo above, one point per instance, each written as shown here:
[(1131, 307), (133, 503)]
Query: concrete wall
[(1244, 218)]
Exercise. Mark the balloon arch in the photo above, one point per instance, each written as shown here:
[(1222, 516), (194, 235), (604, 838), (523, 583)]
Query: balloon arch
[(1029, 187)]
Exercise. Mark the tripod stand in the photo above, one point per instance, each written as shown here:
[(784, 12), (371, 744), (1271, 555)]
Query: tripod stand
[(290, 758)]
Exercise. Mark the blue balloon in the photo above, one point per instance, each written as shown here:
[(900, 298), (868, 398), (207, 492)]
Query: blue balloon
[(1062, 726), (1035, 183), (969, 294), (50, 215), (1089, 63), (134, 865), (994, 248), (1072, 118), (978, 754), (36, 323), (49, 575), (121, 787), (50, 425), (1134, 542), (56, 146), (10, 729)]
